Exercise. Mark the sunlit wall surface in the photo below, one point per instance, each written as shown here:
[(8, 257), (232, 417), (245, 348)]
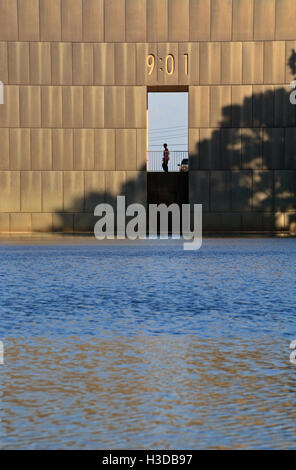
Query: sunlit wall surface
[(74, 119)]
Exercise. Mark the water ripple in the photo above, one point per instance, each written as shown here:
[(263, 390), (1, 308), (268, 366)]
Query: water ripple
[(148, 346)]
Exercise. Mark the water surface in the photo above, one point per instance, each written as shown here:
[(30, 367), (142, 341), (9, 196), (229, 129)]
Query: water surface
[(148, 346)]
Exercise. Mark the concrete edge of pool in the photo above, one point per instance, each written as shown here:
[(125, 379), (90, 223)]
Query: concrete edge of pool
[(89, 239)]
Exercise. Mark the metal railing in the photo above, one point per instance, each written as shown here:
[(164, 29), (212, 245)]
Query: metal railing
[(154, 160)]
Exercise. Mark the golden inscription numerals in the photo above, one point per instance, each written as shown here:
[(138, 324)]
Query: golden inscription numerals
[(169, 64), (186, 63), (150, 61)]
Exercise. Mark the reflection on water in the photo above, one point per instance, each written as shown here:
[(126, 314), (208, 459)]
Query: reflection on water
[(148, 347)]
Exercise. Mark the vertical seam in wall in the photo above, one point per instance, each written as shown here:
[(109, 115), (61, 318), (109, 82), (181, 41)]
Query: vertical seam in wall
[(83, 92), (19, 97), (252, 110), (114, 71), (167, 19), (30, 63), (137, 149), (115, 132), (115, 60), (61, 13), (9, 151), (71, 89), (82, 25), (103, 18), (242, 65), (231, 188), (73, 144), (169, 38), (273, 191), (147, 132), (146, 31), (40, 116), (8, 54), (103, 171), (253, 7), (284, 146), (17, 19), (211, 18), (231, 107), (39, 19), (50, 64), (51, 141), (220, 53), (93, 63), (199, 63), (264, 44), (241, 149), (29, 53), (21, 206), (63, 89), (63, 190), (209, 106), (31, 220), (285, 78), (30, 141), (252, 190), (125, 36), (124, 111), (231, 20), (42, 186), (84, 190), (210, 183), (274, 31)]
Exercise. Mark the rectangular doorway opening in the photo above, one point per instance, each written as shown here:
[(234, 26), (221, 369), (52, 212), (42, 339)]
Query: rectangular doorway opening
[(167, 124)]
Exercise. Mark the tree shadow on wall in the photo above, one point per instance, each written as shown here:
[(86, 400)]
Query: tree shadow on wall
[(77, 217), (292, 62), (245, 167)]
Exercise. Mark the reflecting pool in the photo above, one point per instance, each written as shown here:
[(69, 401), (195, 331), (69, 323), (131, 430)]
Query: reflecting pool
[(148, 346)]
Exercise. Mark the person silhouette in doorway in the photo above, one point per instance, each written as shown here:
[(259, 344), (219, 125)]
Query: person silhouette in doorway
[(166, 157)]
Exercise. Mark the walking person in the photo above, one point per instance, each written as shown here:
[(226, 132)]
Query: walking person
[(166, 157)]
